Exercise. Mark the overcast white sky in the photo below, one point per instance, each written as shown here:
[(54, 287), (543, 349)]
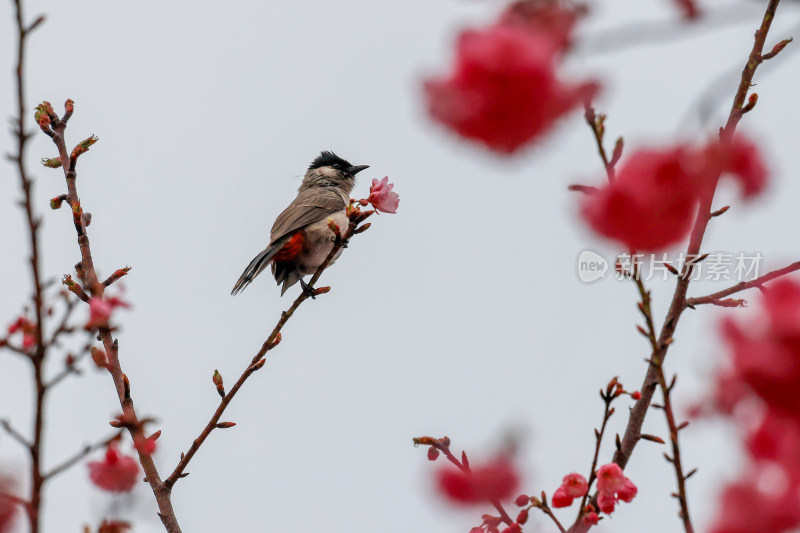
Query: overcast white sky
[(461, 315)]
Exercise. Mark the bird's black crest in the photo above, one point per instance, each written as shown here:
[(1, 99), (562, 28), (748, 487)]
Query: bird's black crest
[(328, 159)]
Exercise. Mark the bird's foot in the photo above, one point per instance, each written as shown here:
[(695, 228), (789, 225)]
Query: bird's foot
[(308, 289), (338, 240)]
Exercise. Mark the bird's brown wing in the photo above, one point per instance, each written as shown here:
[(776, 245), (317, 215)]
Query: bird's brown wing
[(311, 205)]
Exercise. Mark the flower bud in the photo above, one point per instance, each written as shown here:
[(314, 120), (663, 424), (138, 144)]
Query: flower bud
[(225, 425), (334, 227), (217, 379), (275, 342), (99, 357)]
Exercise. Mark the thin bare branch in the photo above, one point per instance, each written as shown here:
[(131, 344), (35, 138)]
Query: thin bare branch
[(16, 435), (78, 457), (744, 285)]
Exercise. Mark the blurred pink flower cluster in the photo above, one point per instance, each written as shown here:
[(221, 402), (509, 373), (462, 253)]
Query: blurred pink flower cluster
[(764, 376)]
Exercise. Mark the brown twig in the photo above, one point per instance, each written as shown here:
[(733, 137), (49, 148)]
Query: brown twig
[(257, 361), (744, 285), (597, 125), (16, 435), (666, 392), (69, 369), (88, 276), (37, 357), (608, 398), (63, 325), (543, 507), (669, 413)]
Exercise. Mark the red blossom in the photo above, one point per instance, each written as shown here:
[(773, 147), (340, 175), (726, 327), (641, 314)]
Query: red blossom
[(503, 90), (610, 478), (746, 509), (146, 445), (606, 501), (553, 19), (100, 310), (591, 518), (575, 485), (776, 438), (561, 498), (628, 491), (382, 197), (740, 160), (612, 485), (689, 9), (8, 508), (116, 472), (113, 526), (28, 330), (652, 202), (496, 480), (766, 353)]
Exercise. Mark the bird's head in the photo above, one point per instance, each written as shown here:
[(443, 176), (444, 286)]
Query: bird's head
[(330, 170)]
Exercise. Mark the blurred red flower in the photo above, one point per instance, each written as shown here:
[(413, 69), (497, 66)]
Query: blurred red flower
[(503, 90), (689, 9), (8, 508), (652, 202), (28, 330), (100, 310), (116, 472), (766, 355), (496, 480), (746, 509), (114, 526)]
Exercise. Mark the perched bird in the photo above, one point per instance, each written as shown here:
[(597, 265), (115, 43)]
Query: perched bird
[(300, 239)]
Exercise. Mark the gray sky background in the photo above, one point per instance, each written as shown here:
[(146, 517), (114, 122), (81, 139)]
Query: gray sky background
[(461, 315)]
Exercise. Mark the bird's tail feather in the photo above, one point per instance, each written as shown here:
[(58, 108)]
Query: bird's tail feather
[(286, 274), (256, 266)]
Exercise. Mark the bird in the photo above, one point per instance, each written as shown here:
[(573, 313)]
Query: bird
[(300, 238)]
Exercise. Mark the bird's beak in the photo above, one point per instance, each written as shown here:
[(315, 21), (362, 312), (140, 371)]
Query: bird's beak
[(356, 169)]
